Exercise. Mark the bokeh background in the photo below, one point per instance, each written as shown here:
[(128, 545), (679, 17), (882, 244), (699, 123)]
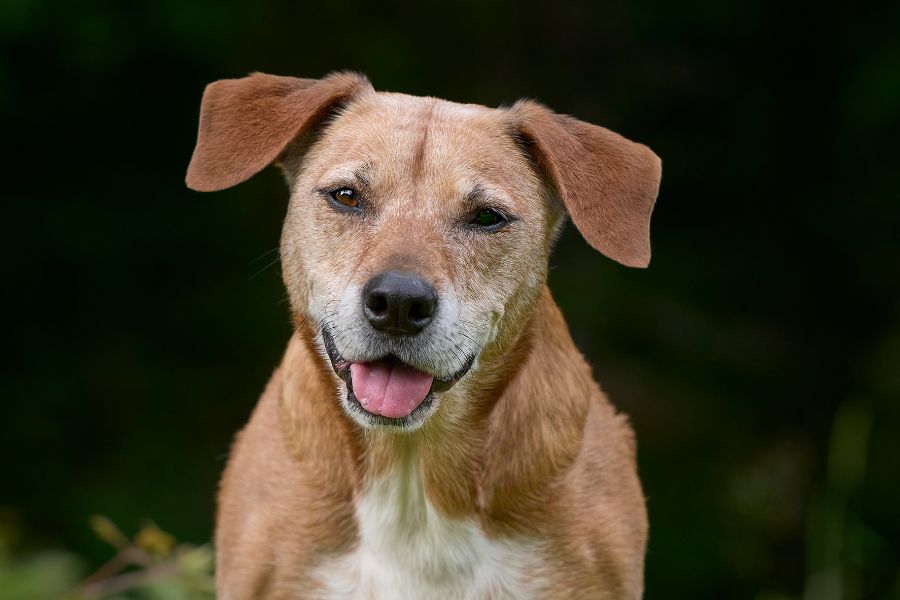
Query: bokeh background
[(758, 357)]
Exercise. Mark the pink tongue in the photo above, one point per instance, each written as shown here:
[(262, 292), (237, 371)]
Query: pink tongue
[(389, 388)]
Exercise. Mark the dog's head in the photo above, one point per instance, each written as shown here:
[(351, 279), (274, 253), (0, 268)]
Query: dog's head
[(419, 230)]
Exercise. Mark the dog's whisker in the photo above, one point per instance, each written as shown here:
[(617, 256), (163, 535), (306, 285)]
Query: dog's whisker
[(267, 266), (265, 254)]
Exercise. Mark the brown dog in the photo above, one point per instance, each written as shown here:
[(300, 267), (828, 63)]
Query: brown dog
[(432, 431)]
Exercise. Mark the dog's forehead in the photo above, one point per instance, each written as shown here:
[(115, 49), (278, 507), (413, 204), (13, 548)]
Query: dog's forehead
[(406, 114), (401, 140), (412, 128)]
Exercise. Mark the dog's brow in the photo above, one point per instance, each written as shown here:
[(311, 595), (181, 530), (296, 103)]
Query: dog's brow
[(473, 196), (480, 194), (342, 176), (361, 174)]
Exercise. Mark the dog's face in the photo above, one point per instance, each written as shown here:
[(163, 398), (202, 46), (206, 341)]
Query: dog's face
[(413, 224), (418, 230)]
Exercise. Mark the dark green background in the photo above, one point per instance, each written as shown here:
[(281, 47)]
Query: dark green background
[(759, 356)]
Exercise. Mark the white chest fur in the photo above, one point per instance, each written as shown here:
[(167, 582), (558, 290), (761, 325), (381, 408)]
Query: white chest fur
[(407, 550)]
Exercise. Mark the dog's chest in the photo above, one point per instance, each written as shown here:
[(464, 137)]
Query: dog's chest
[(408, 550)]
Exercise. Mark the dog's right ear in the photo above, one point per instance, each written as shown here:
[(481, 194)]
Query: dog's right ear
[(247, 123)]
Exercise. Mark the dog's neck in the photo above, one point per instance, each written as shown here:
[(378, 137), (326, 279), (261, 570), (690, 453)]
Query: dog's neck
[(476, 465)]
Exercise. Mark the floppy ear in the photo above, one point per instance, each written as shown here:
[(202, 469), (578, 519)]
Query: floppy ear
[(245, 124), (607, 183)]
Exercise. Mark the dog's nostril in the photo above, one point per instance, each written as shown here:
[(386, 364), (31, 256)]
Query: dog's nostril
[(377, 303), (421, 310)]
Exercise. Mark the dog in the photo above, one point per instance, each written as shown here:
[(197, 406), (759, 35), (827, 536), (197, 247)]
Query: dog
[(432, 431)]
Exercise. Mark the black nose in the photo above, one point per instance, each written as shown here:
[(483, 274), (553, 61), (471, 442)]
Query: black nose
[(398, 303)]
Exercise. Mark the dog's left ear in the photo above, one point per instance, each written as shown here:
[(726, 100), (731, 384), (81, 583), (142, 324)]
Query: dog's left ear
[(607, 183), (247, 123)]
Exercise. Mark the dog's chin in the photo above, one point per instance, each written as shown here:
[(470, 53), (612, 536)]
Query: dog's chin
[(361, 415), (410, 422)]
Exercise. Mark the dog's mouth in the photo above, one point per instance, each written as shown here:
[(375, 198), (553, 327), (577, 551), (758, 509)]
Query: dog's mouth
[(386, 388)]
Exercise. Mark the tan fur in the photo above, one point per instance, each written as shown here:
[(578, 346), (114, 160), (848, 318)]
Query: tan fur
[(526, 445)]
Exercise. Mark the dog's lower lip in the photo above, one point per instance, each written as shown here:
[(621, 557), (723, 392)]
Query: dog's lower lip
[(444, 384), (341, 367)]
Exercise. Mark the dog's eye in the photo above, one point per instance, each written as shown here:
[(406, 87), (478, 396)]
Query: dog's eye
[(488, 219), (346, 196)]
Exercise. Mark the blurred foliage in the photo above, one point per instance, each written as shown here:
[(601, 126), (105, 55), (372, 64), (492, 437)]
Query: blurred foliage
[(149, 567), (758, 357)]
